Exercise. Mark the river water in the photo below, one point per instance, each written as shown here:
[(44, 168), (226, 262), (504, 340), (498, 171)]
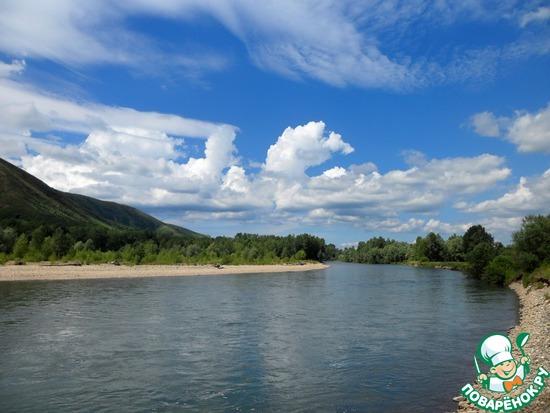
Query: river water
[(352, 338)]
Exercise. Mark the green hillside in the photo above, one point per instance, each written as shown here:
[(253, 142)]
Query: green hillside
[(27, 202)]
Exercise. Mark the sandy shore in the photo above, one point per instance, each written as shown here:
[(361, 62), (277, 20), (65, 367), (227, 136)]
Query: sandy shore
[(33, 272), (534, 319)]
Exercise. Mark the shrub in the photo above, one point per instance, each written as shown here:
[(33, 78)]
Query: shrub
[(500, 270)]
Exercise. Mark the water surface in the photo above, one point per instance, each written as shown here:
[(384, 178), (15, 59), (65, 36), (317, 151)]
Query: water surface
[(352, 338)]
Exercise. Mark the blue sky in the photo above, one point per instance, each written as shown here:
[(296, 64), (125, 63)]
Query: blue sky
[(347, 119)]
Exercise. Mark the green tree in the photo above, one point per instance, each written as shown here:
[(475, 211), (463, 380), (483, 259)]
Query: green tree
[(475, 235), (7, 239), (479, 257), (300, 255), (21, 246), (62, 242), (435, 247), (500, 270), (37, 238), (532, 241), (455, 248), (48, 248), (419, 251)]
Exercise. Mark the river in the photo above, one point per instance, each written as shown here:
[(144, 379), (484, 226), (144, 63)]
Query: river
[(351, 338)]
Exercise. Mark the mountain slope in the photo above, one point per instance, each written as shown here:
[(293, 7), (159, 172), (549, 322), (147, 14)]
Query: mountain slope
[(26, 199)]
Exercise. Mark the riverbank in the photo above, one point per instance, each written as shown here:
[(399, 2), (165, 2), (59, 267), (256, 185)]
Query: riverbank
[(534, 318), (32, 272), (440, 265)]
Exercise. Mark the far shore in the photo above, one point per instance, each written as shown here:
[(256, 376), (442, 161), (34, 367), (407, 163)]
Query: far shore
[(33, 272)]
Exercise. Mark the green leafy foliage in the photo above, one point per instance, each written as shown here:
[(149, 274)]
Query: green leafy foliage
[(475, 252), (145, 247), (377, 251)]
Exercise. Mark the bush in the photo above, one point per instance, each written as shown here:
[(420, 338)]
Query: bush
[(479, 257), (21, 246), (300, 255), (500, 270)]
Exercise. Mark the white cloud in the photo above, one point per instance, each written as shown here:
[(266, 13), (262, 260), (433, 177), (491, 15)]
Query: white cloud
[(417, 189), (486, 124), (531, 195), (503, 215), (24, 108), (535, 16), (92, 32), (434, 225), (530, 132), (337, 42), (9, 69), (300, 148), (335, 172)]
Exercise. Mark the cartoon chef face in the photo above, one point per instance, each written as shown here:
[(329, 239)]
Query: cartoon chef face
[(505, 370)]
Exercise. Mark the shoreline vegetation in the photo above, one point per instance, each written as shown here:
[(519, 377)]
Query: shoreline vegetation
[(46, 271), (476, 253), (534, 318)]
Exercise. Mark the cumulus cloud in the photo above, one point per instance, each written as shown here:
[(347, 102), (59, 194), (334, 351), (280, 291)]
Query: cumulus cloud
[(417, 189), (531, 195), (126, 155), (486, 124), (503, 215), (300, 148), (530, 132)]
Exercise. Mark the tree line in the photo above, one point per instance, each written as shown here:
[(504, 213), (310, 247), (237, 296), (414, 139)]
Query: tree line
[(476, 252), (89, 245)]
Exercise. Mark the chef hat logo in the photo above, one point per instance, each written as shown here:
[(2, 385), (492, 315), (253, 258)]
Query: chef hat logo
[(496, 349)]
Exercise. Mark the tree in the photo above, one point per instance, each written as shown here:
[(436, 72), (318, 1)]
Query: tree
[(474, 236), (500, 270), (479, 257), (434, 247), (300, 255), (61, 242), (37, 238), (455, 248), (21, 246), (419, 249), (7, 239), (532, 241)]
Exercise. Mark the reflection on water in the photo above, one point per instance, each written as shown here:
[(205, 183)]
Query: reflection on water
[(352, 338)]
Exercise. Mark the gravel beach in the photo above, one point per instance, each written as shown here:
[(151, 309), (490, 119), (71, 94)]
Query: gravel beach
[(33, 272)]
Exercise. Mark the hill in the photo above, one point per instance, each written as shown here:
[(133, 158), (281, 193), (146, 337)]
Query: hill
[(27, 202)]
